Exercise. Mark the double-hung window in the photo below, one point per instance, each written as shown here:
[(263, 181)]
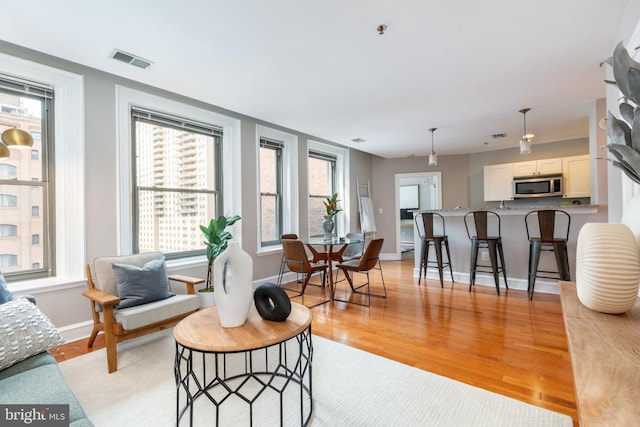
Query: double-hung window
[(27, 182), (271, 179), (177, 182), (322, 184)]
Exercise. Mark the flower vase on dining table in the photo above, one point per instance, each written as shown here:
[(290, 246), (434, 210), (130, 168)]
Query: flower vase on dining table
[(327, 227)]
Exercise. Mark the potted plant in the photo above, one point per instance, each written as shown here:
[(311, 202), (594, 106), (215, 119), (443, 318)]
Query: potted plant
[(216, 240), (331, 205)]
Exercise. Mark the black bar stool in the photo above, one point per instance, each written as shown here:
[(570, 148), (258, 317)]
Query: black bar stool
[(486, 227), (551, 234), (426, 222)]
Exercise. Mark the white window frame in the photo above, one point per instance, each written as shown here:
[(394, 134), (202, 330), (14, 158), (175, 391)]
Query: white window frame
[(342, 173), (290, 202), (69, 169), (231, 158)]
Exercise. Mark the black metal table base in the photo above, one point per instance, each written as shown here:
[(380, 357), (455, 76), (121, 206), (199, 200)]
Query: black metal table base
[(246, 383)]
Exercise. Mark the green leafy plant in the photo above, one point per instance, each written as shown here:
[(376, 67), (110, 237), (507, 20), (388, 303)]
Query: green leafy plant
[(331, 204), (216, 240), (625, 132)]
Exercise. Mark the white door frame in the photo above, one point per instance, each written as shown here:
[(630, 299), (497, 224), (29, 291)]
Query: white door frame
[(398, 178)]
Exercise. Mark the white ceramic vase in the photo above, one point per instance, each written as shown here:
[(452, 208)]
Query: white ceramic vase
[(233, 281), (607, 267)]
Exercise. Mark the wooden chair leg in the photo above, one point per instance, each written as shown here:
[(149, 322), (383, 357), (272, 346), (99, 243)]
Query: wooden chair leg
[(110, 340), (94, 335)]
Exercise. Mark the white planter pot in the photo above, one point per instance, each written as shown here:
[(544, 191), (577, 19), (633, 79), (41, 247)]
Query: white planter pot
[(607, 267), (207, 299)]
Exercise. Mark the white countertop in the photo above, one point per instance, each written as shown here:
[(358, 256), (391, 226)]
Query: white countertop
[(520, 210)]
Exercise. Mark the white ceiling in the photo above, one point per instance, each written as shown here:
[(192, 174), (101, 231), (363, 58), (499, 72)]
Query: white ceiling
[(465, 67)]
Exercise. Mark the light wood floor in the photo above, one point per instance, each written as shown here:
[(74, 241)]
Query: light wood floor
[(505, 344)]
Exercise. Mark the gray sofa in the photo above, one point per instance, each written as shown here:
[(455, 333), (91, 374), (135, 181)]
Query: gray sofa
[(38, 380), (29, 374)]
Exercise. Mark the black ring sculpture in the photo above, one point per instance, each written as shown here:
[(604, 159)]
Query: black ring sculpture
[(272, 302)]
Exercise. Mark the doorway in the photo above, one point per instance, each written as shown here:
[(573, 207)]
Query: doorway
[(414, 191)]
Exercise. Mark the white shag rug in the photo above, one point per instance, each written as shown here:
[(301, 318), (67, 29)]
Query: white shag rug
[(350, 388)]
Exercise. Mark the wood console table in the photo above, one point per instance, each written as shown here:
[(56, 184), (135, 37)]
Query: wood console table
[(605, 355)]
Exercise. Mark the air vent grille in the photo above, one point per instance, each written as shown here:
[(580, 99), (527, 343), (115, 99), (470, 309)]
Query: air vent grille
[(134, 60), (499, 135)]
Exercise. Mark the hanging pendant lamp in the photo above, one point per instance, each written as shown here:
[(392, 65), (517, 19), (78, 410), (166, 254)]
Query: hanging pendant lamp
[(525, 142), (433, 158), (4, 152), (17, 138)]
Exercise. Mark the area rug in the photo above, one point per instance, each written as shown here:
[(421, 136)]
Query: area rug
[(350, 388)]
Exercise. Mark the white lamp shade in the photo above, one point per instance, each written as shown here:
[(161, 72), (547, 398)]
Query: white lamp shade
[(433, 159), (525, 146)]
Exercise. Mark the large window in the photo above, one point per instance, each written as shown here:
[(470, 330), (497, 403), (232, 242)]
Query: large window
[(177, 182), (270, 191), (27, 182), (322, 184)]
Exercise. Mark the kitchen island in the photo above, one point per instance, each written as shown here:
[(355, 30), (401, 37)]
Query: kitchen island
[(514, 242)]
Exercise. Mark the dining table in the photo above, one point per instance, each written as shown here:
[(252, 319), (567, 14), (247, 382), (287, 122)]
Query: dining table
[(329, 245)]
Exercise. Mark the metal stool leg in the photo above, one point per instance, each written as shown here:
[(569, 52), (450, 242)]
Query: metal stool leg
[(474, 262), (493, 256), (560, 251), (437, 243), (502, 264), (534, 258), (446, 246)]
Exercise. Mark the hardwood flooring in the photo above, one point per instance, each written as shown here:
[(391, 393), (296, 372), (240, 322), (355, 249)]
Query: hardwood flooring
[(505, 344)]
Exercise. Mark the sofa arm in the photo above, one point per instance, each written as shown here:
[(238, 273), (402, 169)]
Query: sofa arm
[(189, 282), (101, 297)]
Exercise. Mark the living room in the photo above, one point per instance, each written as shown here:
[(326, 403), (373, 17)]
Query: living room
[(93, 188)]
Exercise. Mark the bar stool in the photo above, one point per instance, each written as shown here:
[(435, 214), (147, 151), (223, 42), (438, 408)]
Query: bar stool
[(486, 227), (551, 234), (426, 222)]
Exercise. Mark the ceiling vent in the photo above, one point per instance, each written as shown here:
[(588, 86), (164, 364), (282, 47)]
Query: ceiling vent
[(499, 135), (130, 59)]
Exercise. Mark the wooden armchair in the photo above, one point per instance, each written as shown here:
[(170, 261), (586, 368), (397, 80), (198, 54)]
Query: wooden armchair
[(119, 324)]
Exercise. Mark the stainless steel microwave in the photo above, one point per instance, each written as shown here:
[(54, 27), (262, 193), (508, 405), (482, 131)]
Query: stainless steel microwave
[(546, 186)]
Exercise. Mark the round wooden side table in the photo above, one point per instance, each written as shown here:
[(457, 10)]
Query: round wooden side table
[(247, 365)]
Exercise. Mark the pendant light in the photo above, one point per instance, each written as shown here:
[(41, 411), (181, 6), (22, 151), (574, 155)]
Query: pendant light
[(433, 158), (17, 138), (4, 152), (525, 142)]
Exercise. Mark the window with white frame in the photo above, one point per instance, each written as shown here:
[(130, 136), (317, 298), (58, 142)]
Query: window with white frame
[(27, 182), (277, 183), (326, 166), (177, 182), (271, 175)]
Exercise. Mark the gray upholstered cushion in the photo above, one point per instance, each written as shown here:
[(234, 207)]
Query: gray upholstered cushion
[(5, 294), (147, 314), (40, 359), (41, 385), (102, 271), (141, 285), (24, 332)]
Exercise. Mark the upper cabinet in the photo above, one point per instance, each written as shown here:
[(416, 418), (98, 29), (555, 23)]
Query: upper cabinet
[(498, 181), (576, 176), (538, 167)]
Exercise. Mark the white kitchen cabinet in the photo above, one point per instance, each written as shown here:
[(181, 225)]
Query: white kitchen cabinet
[(576, 176), (538, 167), (498, 181)]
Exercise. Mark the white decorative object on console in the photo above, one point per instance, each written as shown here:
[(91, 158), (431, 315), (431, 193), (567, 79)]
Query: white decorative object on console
[(607, 267), (233, 279)]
